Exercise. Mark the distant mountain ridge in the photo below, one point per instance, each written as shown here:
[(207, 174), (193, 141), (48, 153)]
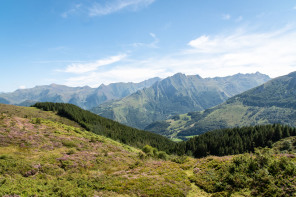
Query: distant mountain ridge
[(175, 95), (85, 97), (272, 102)]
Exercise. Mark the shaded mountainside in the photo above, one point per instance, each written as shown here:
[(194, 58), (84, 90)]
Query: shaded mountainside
[(175, 95), (272, 102), (85, 97)]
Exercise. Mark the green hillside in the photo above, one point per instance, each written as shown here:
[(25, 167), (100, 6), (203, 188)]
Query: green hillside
[(175, 95), (272, 102), (42, 154), (107, 127)]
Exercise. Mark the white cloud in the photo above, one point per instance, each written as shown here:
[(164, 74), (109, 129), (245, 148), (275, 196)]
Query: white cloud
[(117, 5), (226, 16), (272, 53), (92, 66), (235, 42), (22, 87)]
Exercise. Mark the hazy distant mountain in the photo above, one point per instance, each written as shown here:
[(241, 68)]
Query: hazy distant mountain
[(4, 101), (175, 95), (85, 97), (272, 102)]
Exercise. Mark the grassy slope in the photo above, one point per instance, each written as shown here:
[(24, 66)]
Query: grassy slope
[(42, 157), (32, 112), (109, 128)]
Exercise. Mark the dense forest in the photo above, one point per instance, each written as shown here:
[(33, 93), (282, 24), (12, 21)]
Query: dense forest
[(107, 127), (235, 140)]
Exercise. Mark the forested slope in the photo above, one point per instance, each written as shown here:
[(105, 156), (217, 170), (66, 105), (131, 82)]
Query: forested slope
[(107, 127), (234, 140)]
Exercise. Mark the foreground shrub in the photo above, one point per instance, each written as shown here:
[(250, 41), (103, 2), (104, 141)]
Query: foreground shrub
[(262, 173)]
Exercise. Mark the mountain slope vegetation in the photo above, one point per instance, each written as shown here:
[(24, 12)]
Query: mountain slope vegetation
[(175, 95), (43, 157), (262, 173), (234, 140), (45, 154), (85, 97), (107, 127), (272, 102)]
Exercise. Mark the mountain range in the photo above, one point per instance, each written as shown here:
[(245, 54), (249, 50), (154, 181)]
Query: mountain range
[(272, 102), (139, 104), (85, 97), (175, 95)]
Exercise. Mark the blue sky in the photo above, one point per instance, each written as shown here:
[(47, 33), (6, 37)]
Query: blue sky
[(90, 42)]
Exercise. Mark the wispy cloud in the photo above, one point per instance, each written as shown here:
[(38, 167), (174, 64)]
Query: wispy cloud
[(226, 16), (152, 44), (71, 11), (116, 5), (80, 68), (234, 42)]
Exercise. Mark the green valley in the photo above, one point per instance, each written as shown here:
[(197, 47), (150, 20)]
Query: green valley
[(176, 95), (272, 102)]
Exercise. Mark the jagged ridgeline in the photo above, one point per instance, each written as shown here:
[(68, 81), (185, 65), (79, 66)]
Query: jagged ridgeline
[(107, 127), (235, 140)]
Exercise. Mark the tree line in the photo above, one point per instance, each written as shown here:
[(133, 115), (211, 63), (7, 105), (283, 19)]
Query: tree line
[(107, 127), (234, 140), (217, 142)]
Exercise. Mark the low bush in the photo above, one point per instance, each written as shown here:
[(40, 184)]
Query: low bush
[(262, 173)]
